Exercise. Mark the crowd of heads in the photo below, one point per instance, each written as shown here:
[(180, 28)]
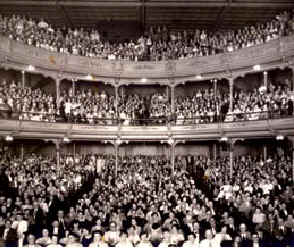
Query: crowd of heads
[(28, 103), (157, 43), (204, 105), (84, 200)]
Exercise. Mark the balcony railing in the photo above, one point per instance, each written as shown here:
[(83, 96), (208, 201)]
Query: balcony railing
[(18, 56), (160, 121)]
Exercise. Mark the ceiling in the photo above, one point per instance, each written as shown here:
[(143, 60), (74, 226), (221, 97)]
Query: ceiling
[(175, 14)]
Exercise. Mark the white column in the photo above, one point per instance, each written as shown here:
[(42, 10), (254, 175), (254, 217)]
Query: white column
[(23, 79), (173, 146), (265, 79), (172, 98), (74, 149), (231, 144), (116, 100), (73, 87), (231, 85), (116, 158), (215, 86), (57, 92), (57, 146), (264, 152), (167, 92), (22, 152)]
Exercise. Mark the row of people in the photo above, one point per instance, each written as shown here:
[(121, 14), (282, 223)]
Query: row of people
[(87, 106), (150, 205), (158, 43)]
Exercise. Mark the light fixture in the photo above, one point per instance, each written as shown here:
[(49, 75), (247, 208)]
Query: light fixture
[(256, 67), (265, 73), (143, 80), (224, 139), (118, 141), (198, 77), (171, 141), (89, 77), (9, 138), (280, 137), (31, 68), (66, 139)]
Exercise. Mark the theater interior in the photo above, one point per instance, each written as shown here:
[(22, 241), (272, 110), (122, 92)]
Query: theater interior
[(146, 123)]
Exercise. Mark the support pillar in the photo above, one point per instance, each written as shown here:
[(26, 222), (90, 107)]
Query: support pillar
[(23, 83), (57, 146), (74, 150), (116, 100), (292, 140), (215, 87), (214, 151), (73, 87), (173, 158), (172, 98), (57, 92), (265, 79), (231, 149), (167, 93), (231, 85), (292, 68), (116, 158), (22, 152), (264, 152)]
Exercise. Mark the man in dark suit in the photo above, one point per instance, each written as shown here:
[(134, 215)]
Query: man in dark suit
[(37, 220), (9, 235)]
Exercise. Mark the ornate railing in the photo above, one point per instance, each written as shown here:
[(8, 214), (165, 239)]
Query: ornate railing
[(272, 54), (201, 131)]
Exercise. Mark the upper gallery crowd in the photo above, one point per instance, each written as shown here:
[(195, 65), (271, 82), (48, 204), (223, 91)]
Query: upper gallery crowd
[(156, 44)]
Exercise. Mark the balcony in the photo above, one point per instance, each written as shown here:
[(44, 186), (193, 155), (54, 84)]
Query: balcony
[(276, 53), (212, 131)]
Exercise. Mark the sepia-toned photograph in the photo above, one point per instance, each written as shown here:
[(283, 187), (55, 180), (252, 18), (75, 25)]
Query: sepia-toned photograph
[(146, 123)]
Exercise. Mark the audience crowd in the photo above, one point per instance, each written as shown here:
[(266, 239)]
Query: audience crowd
[(157, 43), (99, 108), (80, 202)]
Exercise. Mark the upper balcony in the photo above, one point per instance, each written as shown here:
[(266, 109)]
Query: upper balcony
[(277, 53)]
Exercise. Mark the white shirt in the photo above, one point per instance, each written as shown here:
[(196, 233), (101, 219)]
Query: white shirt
[(206, 243)]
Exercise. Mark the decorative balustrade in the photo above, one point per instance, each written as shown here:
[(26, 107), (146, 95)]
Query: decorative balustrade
[(207, 131), (276, 53)]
